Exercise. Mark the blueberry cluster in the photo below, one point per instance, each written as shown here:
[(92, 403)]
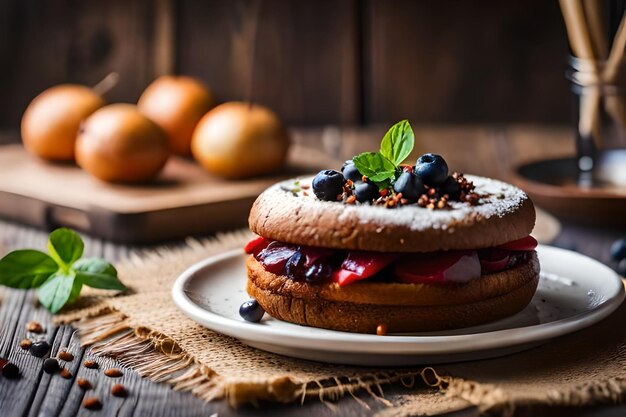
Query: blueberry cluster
[(427, 183), (330, 185)]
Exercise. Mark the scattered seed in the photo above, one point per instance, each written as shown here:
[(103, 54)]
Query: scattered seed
[(65, 373), (35, 327), (381, 330), (66, 356), (92, 403), (118, 390), (51, 366), (8, 369), (113, 373), (26, 344), (91, 364), (84, 384), (39, 349)]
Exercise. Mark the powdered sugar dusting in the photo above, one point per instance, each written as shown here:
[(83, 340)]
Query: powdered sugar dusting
[(500, 199)]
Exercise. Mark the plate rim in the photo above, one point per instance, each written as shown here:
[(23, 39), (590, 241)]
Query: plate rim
[(361, 343)]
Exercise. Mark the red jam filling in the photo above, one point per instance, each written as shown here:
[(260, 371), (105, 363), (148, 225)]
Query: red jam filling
[(316, 265)]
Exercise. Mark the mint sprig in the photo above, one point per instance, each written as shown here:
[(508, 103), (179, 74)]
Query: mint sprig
[(381, 167), (60, 275)]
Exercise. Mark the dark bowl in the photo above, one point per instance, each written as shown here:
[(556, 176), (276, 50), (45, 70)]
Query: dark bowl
[(553, 185)]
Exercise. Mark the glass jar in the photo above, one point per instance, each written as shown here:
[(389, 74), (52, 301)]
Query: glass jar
[(599, 110)]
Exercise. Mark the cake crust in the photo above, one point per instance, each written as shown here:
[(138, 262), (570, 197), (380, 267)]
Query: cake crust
[(505, 214)]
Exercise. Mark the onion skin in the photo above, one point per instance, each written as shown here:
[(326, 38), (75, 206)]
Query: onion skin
[(52, 120), (119, 144), (239, 140)]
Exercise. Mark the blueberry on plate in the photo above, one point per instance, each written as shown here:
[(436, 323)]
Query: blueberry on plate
[(251, 311), (366, 191), (328, 184), (410, 185), (451, 187), (350, 172), (618, 250), (432, 169)]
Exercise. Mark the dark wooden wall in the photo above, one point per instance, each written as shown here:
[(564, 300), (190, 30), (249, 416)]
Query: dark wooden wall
[(316, 61)]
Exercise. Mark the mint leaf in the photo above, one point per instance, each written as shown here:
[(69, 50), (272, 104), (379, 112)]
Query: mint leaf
[(374, 166), (26, 268), (398, 142), (56, 291), (65, 247), (98, 273), (77, 286)]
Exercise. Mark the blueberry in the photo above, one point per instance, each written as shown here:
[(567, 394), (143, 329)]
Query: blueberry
[(621, 267), (318, 272), (350, 172), (618, 250), (366, 191), (451, 187), (251, 311), (432, 169), (39, 349), (328, 184), (295, 267), (410, 185), (51, 366)]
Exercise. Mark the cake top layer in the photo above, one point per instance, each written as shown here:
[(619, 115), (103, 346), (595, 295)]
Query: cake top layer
[(290, 212)]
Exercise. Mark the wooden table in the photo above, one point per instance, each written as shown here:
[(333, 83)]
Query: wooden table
[(38, 394)]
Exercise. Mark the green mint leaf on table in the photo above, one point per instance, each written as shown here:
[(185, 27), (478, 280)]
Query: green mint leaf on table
[(55, 292), (26, 268), (98, 273), (61, 275), (398, 142), (65, 247)]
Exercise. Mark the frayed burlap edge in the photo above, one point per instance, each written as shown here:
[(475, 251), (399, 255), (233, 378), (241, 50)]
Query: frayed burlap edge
[(158, 357)]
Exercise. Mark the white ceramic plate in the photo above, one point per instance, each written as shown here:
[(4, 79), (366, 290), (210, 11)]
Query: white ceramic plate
[(574, 292)]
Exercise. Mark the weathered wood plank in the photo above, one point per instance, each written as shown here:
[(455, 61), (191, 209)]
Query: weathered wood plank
[(461, 62), (305, 55)]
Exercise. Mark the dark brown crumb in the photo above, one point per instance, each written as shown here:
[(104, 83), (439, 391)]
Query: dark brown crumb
[(118, 390), (66, 356), (92, 403), (26, 344), (91, 364), (113, 373), (84, 384), (35, 327)]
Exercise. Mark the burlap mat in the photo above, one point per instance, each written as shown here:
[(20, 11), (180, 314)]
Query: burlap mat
[(146, 331)]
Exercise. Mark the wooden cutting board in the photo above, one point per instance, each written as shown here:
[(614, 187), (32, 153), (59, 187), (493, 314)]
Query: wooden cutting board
[(184, 201)]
